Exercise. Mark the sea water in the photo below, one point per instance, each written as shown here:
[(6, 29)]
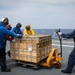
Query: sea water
[(51, 31)]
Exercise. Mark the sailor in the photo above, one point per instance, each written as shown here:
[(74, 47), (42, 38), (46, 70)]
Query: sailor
[(28, 30), (71, 59), (3, 33)]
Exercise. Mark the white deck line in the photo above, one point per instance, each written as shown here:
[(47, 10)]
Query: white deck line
[(63, 45), (64, 42)]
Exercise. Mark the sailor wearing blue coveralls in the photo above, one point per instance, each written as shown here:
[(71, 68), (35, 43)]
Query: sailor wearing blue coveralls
[(17, 29), (71, 59), (3, 33)]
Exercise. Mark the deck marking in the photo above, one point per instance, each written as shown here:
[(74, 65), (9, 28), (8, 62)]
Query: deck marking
[(63, 45)]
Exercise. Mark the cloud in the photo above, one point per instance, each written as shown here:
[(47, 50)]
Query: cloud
[(39, 12)]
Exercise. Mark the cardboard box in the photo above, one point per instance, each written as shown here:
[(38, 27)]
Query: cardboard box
[(31, 48)]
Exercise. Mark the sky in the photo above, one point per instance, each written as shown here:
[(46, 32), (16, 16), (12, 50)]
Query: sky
[(40, 14)]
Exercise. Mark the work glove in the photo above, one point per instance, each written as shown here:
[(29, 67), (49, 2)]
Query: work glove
[(13, 40), (20, 36), (59, 33), (26, 34)]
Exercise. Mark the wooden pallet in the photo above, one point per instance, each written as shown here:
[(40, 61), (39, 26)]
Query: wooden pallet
[(25, 64)]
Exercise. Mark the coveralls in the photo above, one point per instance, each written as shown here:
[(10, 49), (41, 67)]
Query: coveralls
[(16, 30), (3, 33), (29, 32), (71, 59)]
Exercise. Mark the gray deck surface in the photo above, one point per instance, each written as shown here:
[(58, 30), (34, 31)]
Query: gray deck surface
[(19, 70)]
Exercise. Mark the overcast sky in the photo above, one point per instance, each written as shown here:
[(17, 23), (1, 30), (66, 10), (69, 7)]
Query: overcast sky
[(40, 14)]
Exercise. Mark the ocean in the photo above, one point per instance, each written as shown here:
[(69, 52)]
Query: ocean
[(51, 31)]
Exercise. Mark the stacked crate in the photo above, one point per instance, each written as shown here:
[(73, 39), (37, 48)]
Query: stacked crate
[(31, 48)]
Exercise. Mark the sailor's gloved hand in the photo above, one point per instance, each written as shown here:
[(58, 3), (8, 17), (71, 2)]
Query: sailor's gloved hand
[(59, 33), (26, 34), (13, 40), (20, 36)]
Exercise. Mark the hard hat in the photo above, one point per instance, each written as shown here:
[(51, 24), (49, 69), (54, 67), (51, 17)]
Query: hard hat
[(5, 21), (28, 26), (18, 25)]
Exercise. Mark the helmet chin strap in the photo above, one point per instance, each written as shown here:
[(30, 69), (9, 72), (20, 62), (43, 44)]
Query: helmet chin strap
[(6, 23)]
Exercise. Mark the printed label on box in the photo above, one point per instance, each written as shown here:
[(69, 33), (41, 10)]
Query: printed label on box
[(29, 46)]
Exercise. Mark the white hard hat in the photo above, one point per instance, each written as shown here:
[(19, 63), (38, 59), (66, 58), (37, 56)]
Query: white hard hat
[(5, 21)]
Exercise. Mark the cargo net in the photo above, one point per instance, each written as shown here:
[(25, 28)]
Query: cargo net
[(31, 48)]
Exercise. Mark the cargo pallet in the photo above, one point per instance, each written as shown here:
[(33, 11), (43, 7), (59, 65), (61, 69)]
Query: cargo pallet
[(52, 59), (35, 51), (25, 64)]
